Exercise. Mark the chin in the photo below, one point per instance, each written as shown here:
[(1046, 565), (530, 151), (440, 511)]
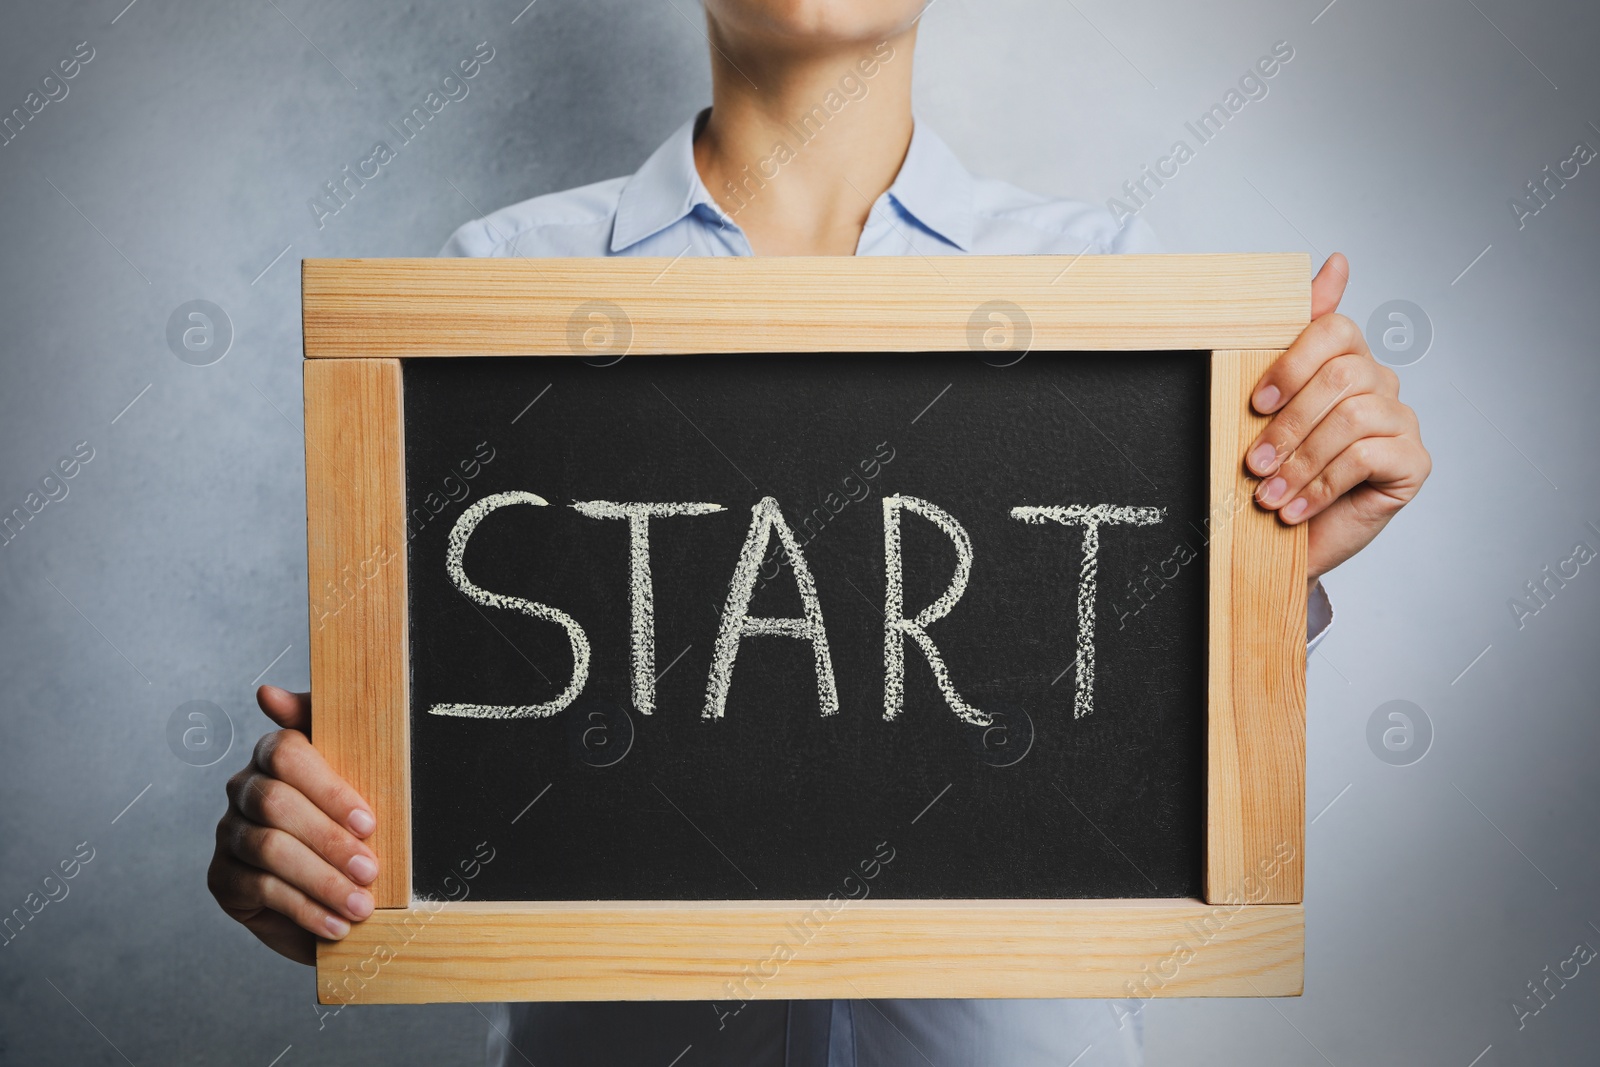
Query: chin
[(816, 21)]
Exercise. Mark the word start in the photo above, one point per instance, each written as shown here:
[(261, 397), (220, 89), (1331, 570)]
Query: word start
[(737, 622)]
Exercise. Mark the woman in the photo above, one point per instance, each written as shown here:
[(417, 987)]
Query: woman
[(810, 148)]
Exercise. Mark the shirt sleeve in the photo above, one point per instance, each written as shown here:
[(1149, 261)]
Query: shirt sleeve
[(1319, 617), (1134, 235), (471, 240)]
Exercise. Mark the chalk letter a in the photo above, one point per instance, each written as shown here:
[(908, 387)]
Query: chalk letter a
[(738, 624)]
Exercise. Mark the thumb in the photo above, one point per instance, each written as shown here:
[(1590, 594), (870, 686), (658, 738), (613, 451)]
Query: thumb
[(1327, 288), (292, 711)]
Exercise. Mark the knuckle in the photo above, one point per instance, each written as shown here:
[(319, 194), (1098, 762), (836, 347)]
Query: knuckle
[(333, 887), (1408, 414), (246, 800), (1283, 431), (247, 794), (234, 785), (216, 881), (305, 913), (1344, 373), (1346, 332), (1329, 331), (1364, 370), (342, 798), (334, 845), (266, 750), (233, 886), (234, 840), (263, 800), (277, 752), (269, 847), (273, 802), (1363, 453), (242, 842), (1295, 468), (1319, 490), (252, 889), (1354, 415)]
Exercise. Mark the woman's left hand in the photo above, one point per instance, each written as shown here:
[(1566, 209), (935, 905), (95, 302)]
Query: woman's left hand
[(1341, 453)]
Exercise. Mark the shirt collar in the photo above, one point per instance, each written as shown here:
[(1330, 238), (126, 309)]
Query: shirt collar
[(932, 186), (935, 189), (664, 190)]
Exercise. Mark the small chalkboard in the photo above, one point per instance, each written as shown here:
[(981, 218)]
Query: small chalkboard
[(926, 638), (698, 757)]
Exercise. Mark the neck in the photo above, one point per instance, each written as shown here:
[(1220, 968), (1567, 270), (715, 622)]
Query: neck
[(799, 161)]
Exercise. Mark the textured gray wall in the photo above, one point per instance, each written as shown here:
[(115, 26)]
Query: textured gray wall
[(179, 165)]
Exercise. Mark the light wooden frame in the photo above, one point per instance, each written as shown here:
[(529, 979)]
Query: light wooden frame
[(1246, 938)]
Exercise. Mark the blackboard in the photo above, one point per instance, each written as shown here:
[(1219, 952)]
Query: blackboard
[(466, 483), (774, 799)]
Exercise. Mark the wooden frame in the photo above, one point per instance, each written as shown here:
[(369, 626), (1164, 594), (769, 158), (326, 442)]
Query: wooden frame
[(1246, 938)]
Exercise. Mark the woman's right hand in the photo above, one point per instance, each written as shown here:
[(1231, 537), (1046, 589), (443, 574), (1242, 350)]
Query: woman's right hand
[(291, 862)]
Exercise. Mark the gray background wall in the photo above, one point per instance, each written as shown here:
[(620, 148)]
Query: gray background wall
[(179, 165)]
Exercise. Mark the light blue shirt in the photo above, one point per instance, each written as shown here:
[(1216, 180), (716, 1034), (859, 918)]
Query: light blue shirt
[(935, 207)]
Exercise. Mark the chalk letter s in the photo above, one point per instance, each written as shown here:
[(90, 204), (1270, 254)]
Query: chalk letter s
[(463, 529)]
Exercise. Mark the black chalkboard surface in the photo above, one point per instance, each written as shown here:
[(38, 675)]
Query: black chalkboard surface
[(774, 799)]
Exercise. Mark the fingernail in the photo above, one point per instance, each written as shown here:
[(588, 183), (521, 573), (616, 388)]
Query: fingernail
[(363, 868), (337, 927), (362, 822), (1266, 398), (1261, 457), (1294, 509), (1272, 490), (359, 904)]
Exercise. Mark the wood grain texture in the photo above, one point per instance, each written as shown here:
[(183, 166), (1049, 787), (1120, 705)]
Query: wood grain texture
[(485, 307), (746, 950), (355, 559), (1256, 727), (1247, 308)]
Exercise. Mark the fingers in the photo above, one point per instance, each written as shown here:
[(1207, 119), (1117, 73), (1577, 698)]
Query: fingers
[(269, 802), (1348, 421), (1327, 288), (245, 891), (289, 861), (1381, 461), (332, 901), (288, 756), (291, 844), (1325, 340), (1338, 373), (291, 711)]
